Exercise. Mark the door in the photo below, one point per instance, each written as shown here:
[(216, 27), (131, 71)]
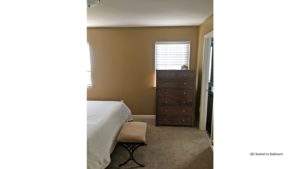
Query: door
[(206, 101), (210, 90)]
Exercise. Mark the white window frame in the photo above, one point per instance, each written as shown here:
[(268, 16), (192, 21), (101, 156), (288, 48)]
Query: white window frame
[(88, 67), (173, 42)]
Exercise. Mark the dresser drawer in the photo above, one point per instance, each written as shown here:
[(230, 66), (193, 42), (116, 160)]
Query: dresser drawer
[(176, 84), (174, 92), (175, 74), (175, 120), (184, 120), (174, 101), (186, 75), (175, 110), (165, 75), (186, 84)]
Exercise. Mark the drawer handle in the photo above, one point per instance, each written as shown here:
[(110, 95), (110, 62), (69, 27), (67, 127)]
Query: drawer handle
[(183, 111), (184, 83), (183, 120), (184, 93)]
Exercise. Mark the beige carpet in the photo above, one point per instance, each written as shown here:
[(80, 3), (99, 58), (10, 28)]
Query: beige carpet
[(168, 148)]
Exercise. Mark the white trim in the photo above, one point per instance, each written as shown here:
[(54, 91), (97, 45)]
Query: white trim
[(172, 42), (212, 127), (209, 35), (204, 80), (212, 132), (210, 141), (212, 147)]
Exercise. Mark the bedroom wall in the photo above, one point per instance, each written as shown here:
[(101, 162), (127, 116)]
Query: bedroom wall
[(204, 28), (123, 63)]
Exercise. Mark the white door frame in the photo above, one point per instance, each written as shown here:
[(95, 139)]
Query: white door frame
[(204, 80)]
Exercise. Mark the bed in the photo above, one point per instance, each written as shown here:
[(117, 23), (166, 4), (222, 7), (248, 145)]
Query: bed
[(104, 121)]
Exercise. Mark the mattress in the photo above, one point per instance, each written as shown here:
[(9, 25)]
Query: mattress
[(104, 121)]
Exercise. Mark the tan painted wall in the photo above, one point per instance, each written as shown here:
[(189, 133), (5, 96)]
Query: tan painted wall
[(204, 28), (123, 63)]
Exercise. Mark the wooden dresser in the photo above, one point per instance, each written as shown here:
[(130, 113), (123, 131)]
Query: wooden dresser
[(175, 97)]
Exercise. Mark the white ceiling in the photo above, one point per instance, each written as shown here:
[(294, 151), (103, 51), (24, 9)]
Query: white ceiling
[(140, 13)]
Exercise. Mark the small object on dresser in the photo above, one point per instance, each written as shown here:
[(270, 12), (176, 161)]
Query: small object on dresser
[(184, 67)]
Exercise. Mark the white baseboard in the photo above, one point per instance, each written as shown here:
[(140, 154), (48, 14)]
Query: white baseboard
[(210, 141), (144, 116), (212, 147)]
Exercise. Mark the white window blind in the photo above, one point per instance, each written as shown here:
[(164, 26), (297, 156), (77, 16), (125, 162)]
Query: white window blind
[(172, 55)]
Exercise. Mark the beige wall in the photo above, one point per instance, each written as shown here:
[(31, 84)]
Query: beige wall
[(123, 63), (204, 28)]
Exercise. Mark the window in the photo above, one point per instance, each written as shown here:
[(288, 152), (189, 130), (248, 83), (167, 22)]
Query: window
[(171, 55), (88, 66)]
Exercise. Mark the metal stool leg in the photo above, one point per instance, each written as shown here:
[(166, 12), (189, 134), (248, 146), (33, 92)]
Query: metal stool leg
[(131, 147)]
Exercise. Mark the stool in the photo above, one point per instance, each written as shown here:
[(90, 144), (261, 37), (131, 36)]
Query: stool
[(131, 137)]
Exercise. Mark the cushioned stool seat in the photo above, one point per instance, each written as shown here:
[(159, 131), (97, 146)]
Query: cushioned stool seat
[(132, 136)]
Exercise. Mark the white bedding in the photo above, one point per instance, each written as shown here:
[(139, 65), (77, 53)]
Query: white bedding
[(104, 120)]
